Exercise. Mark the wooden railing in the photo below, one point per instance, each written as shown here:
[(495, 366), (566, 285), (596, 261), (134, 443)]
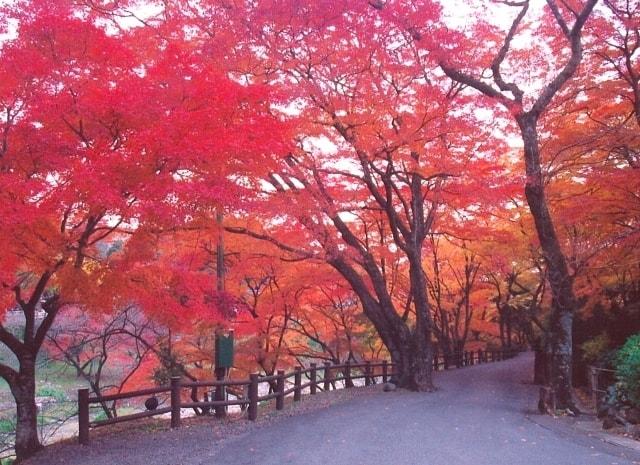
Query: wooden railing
[(599, 380), (331, 374)]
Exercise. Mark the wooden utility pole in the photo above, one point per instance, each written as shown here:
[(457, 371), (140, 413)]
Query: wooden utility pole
[(220, 371), (220, 251)]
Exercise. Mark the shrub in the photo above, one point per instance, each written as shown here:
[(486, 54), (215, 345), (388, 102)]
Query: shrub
[(49, 391), (596, 351), (7, 425), (628, 368), (100, 416), (616, 398)]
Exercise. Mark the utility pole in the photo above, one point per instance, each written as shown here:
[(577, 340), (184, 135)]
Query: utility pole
[(220, 370)]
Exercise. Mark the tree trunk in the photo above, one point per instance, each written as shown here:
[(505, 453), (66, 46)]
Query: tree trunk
[(560, 281), (447, 352), (412, 367), (411, 355), (420, 356), (24, 393), (562, 359), (410, 349), (348, 382), (509, 330), (540, 367)]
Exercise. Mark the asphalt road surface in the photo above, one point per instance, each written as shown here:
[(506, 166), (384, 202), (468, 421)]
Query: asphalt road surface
[(481, 415)]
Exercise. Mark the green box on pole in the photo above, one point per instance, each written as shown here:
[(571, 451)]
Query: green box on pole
[(224, 351)]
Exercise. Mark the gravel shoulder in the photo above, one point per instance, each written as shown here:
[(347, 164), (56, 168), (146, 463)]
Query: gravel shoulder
[(480, 415)]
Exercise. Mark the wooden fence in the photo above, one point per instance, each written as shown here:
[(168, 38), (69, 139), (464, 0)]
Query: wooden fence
[(599, 380), (331, 374)]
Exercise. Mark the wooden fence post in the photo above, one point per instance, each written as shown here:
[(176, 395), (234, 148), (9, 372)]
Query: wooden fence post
[(313, 375), (83, 416), (220, 395), (253, 397), (175, 401), (367, 373), (593, 381), (347, 374), (327, 376), (297, 391), (385, 371), (280, 390)]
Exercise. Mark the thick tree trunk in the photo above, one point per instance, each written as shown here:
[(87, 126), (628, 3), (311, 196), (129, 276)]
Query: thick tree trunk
[(413, 368), (540, 367), (562, 359), (411, 355), (560, 281), (24, 393), (420, 356), (410, 349)]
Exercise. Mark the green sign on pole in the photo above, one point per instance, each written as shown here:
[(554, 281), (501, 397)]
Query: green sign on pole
[(224, 351)]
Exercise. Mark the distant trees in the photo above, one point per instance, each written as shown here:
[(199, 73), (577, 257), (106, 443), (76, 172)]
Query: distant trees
[(453, 281), (112, 346)]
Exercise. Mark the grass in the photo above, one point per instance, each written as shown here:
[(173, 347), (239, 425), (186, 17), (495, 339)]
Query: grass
[(7, 425), (51, 391), (100, 416), (55, 380)]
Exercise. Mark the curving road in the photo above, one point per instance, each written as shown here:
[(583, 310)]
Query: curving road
[(481, 415)]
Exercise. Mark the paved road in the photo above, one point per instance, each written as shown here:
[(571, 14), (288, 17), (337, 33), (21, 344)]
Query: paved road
[(480, 416)]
